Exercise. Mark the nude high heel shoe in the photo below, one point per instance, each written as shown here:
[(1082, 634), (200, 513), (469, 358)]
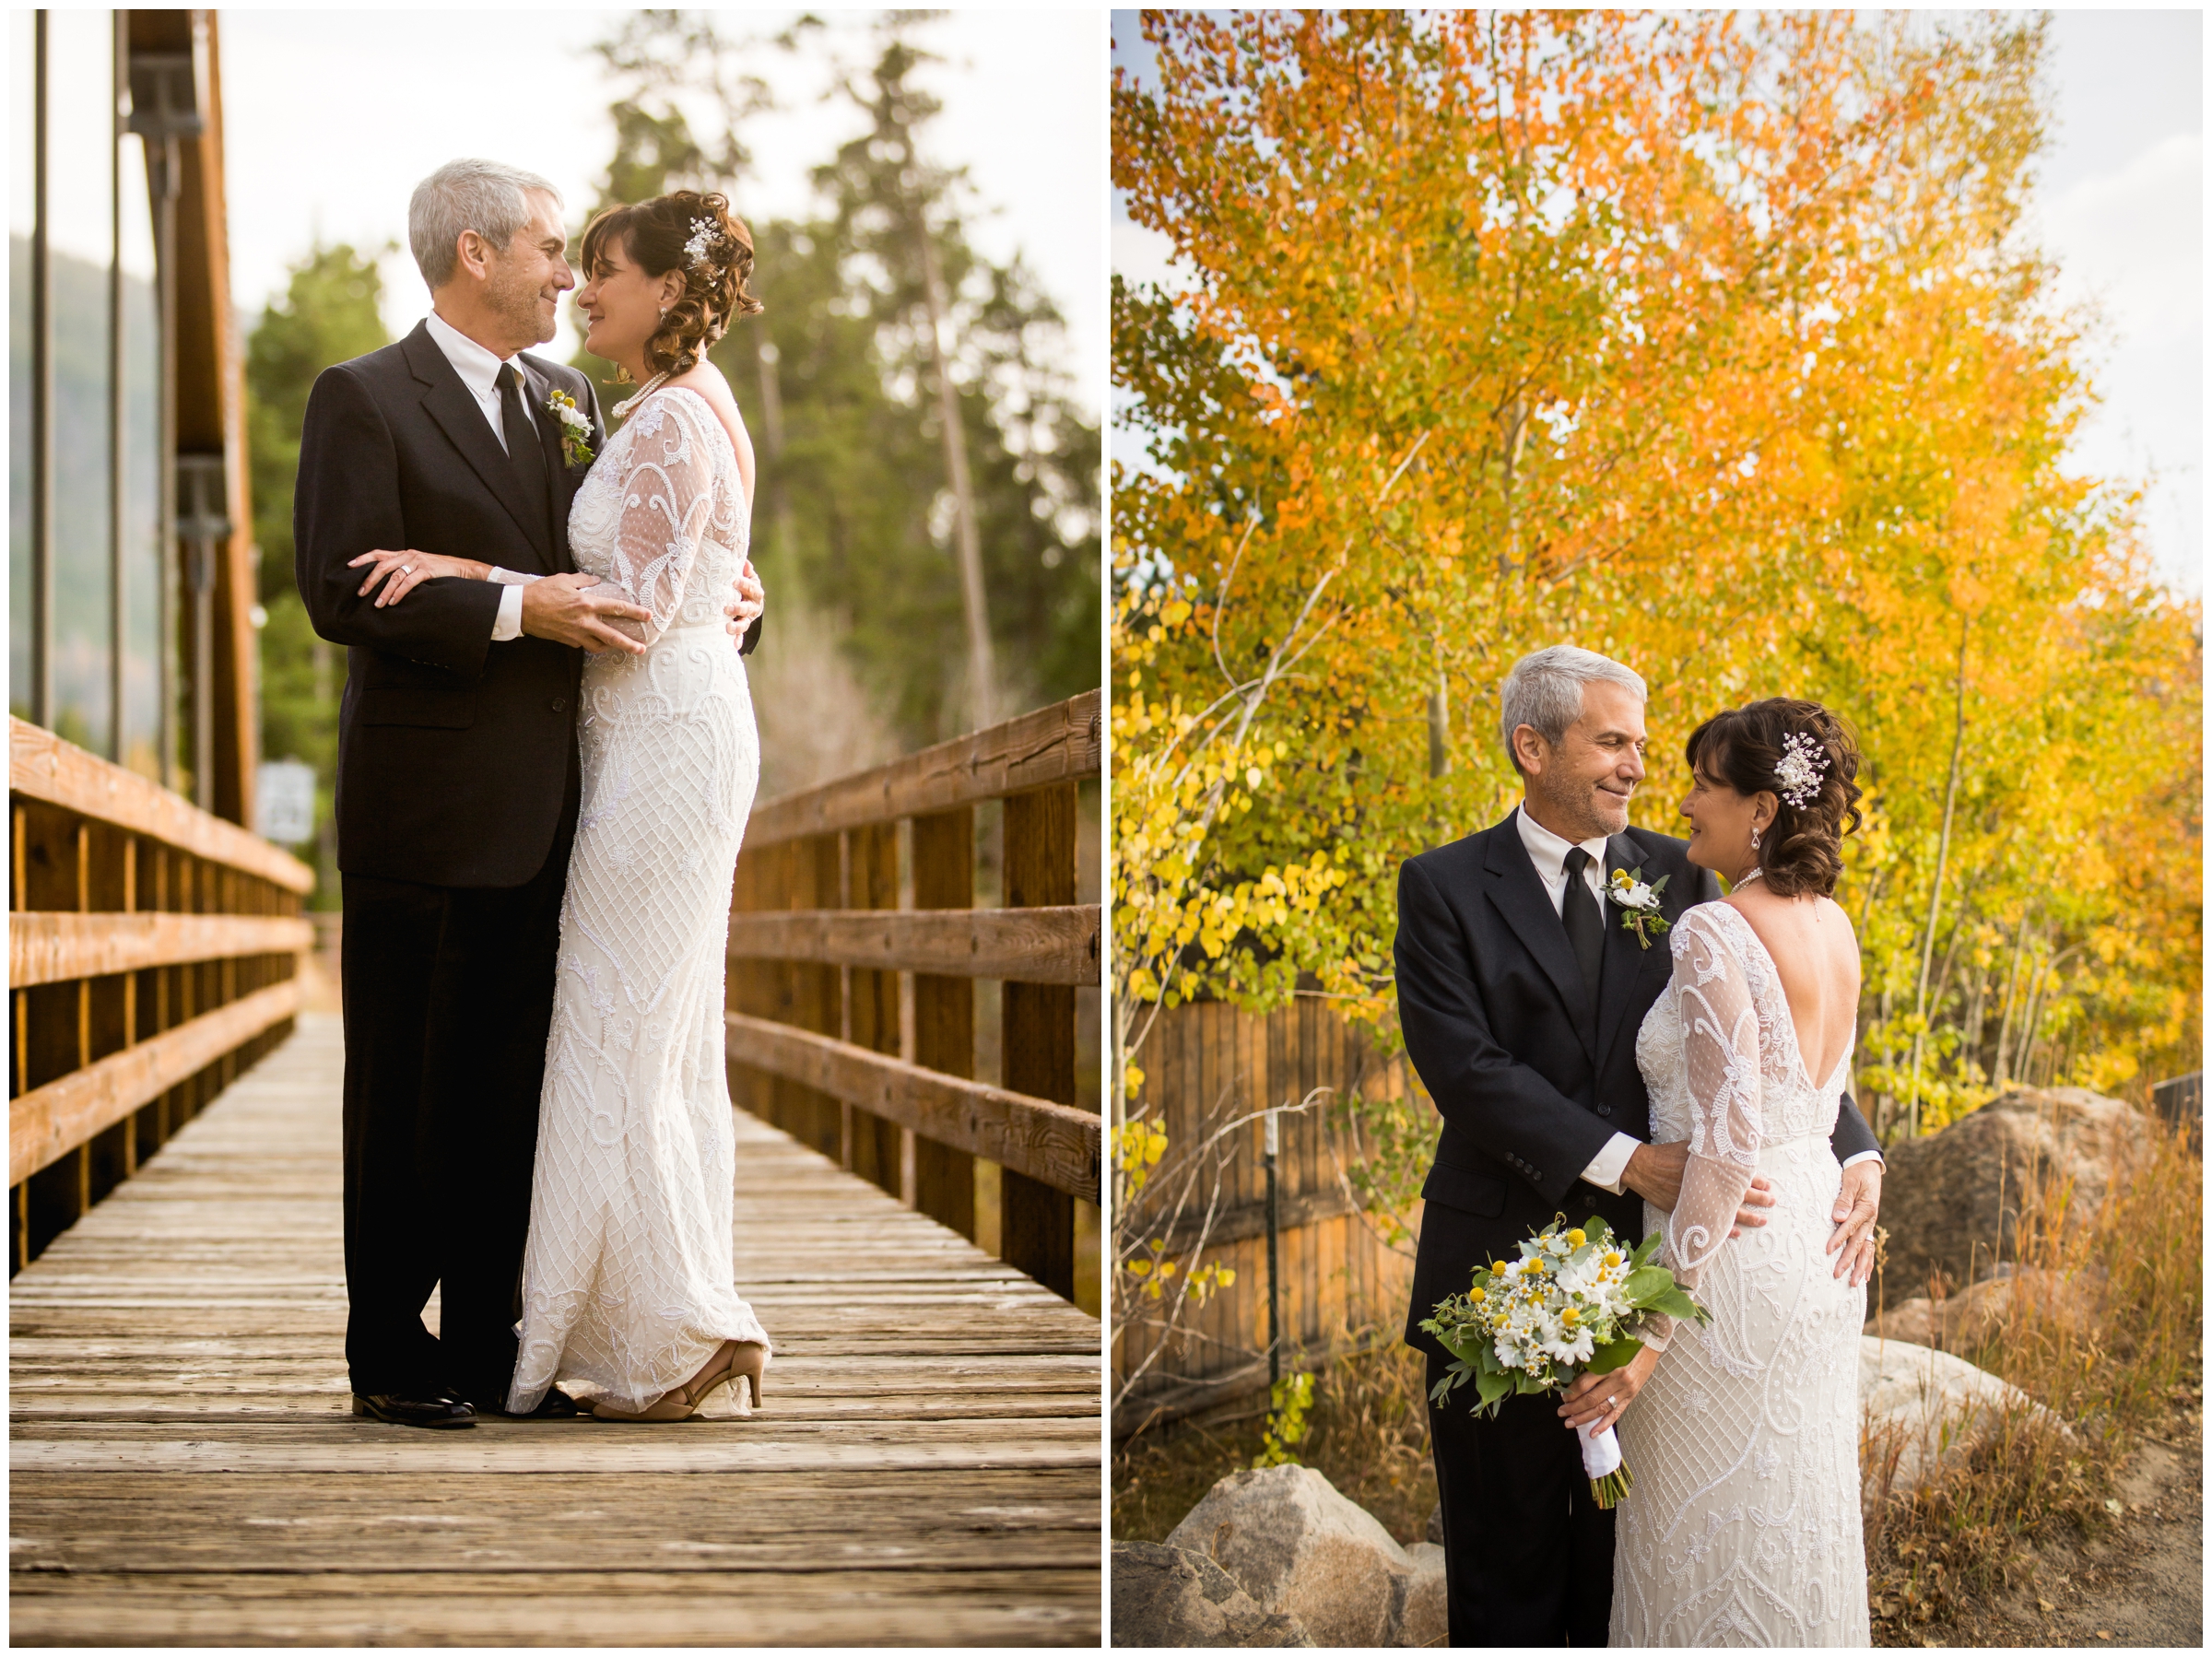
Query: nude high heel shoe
[(736, 1359)]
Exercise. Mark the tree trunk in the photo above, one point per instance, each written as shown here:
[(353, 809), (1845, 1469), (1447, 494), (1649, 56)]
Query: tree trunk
[(983, 673)]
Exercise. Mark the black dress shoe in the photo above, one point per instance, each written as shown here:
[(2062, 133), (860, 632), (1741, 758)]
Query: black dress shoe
[(556, 1405), (401, 1410)]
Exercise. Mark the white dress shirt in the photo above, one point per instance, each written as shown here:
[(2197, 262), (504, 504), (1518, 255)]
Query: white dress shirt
[(480, 372), (1549, 852)]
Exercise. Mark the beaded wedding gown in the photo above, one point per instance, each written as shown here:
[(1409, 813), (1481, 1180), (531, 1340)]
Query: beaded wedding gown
[(1743, 1526), (628, 1285)]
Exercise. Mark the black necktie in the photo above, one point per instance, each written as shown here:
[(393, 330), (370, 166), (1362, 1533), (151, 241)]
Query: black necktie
[(521, 431), (1585, 926)]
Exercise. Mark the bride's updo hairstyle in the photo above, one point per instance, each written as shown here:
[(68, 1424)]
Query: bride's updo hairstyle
[(696, 234), (1745, 748)]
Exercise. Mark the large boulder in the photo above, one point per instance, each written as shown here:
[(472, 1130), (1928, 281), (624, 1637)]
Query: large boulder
[(1953, 1201), (1422, 1617), (1296, 1546), (1962, 1322), (1169, 1596), (1920, 1408)]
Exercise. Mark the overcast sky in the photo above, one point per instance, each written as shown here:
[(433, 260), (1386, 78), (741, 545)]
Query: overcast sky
[(2120, 202), (331, 117)]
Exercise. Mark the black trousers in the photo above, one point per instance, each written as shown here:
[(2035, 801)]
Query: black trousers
[(448, 997), (1528, 1556)]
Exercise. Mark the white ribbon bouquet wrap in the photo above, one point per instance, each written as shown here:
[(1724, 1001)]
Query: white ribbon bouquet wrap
[(1570, 1304)]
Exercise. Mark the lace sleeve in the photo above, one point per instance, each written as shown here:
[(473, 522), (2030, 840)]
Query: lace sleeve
[(1720, 1050), (667, 504)]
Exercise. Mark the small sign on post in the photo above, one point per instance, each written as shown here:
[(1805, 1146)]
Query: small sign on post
[(284, 802)]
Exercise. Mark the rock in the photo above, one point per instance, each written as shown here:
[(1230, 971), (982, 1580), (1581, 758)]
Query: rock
[(1920, 1408), (1436, 1525), (1961, 1322), (1421, 1617), (1295, 1545), (1169, 1596), (1953, 1201)]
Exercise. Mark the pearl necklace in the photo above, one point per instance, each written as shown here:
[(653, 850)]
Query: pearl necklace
[(622, 408), (1740, 879)]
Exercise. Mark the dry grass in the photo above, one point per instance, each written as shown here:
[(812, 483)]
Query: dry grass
[(1940, 1560), (1943, 1562), (1368, 1436)]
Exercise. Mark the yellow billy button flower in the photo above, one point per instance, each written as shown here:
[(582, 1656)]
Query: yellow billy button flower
[(1497, 1268), (1570, 1316), (1612, 1257), (1576, 1238)]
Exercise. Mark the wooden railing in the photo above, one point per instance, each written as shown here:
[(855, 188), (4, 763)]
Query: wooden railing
[(854, 949), (153, 952)]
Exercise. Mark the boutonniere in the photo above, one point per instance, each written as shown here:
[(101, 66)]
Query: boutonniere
[(575, 431), (1639, 903)]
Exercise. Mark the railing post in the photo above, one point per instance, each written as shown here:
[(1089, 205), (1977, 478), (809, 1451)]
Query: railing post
[(944, 878), (872, 865), (820, 1003), (1037, 1224)]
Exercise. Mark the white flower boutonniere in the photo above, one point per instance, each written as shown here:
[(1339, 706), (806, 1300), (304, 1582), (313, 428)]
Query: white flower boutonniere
[(1638, 902), (575, 431)]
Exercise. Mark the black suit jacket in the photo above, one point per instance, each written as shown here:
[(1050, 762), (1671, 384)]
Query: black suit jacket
[(1489, 999), (453, 751)]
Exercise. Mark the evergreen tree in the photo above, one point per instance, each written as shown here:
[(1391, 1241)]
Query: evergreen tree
[(854, 523)]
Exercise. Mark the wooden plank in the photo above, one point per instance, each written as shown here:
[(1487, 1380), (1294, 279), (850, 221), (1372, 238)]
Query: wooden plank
[(47, 947), (1053, 745), (1051, 944), (847, 1607), (1051, 1143), (1037, 1021), (47, 1122), (924, 1468), (1296, 1208), (43, 766)]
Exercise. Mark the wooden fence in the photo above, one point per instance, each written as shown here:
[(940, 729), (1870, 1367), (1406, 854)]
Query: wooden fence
[(854, 952), (152, 957), (1341, 1279)]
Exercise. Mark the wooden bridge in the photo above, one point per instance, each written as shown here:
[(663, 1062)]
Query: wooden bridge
[(927, 1465), (184, 1469)]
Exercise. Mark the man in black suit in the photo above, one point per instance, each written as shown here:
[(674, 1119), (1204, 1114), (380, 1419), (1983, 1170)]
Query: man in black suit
[(1520, 997), (458, 779)]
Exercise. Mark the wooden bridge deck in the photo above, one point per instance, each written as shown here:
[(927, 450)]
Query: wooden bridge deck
[(926, 1467)]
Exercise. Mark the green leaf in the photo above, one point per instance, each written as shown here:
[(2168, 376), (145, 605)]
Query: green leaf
[(1676, 1304), (1491, 1388), (1613, 1354), (1644, 1249), (1647, 1283)]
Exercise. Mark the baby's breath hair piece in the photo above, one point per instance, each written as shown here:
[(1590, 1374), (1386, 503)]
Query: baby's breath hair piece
[(1799, 770), (699, 251)]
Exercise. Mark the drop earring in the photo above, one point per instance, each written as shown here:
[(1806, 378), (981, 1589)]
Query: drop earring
[(1755, 836)]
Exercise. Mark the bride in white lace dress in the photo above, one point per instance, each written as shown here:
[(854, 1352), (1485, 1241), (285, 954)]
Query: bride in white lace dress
[(1743, 1526), (629, 1291)]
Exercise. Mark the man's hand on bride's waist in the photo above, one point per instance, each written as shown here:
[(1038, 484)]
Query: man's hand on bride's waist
[(560, 607), (1654, 1173), (747, 599)]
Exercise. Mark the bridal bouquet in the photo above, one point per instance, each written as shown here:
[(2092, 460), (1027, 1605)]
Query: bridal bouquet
[(1571, 1303)]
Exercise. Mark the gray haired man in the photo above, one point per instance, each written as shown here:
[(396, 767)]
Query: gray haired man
[(1520, 1004), (458, 780)]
